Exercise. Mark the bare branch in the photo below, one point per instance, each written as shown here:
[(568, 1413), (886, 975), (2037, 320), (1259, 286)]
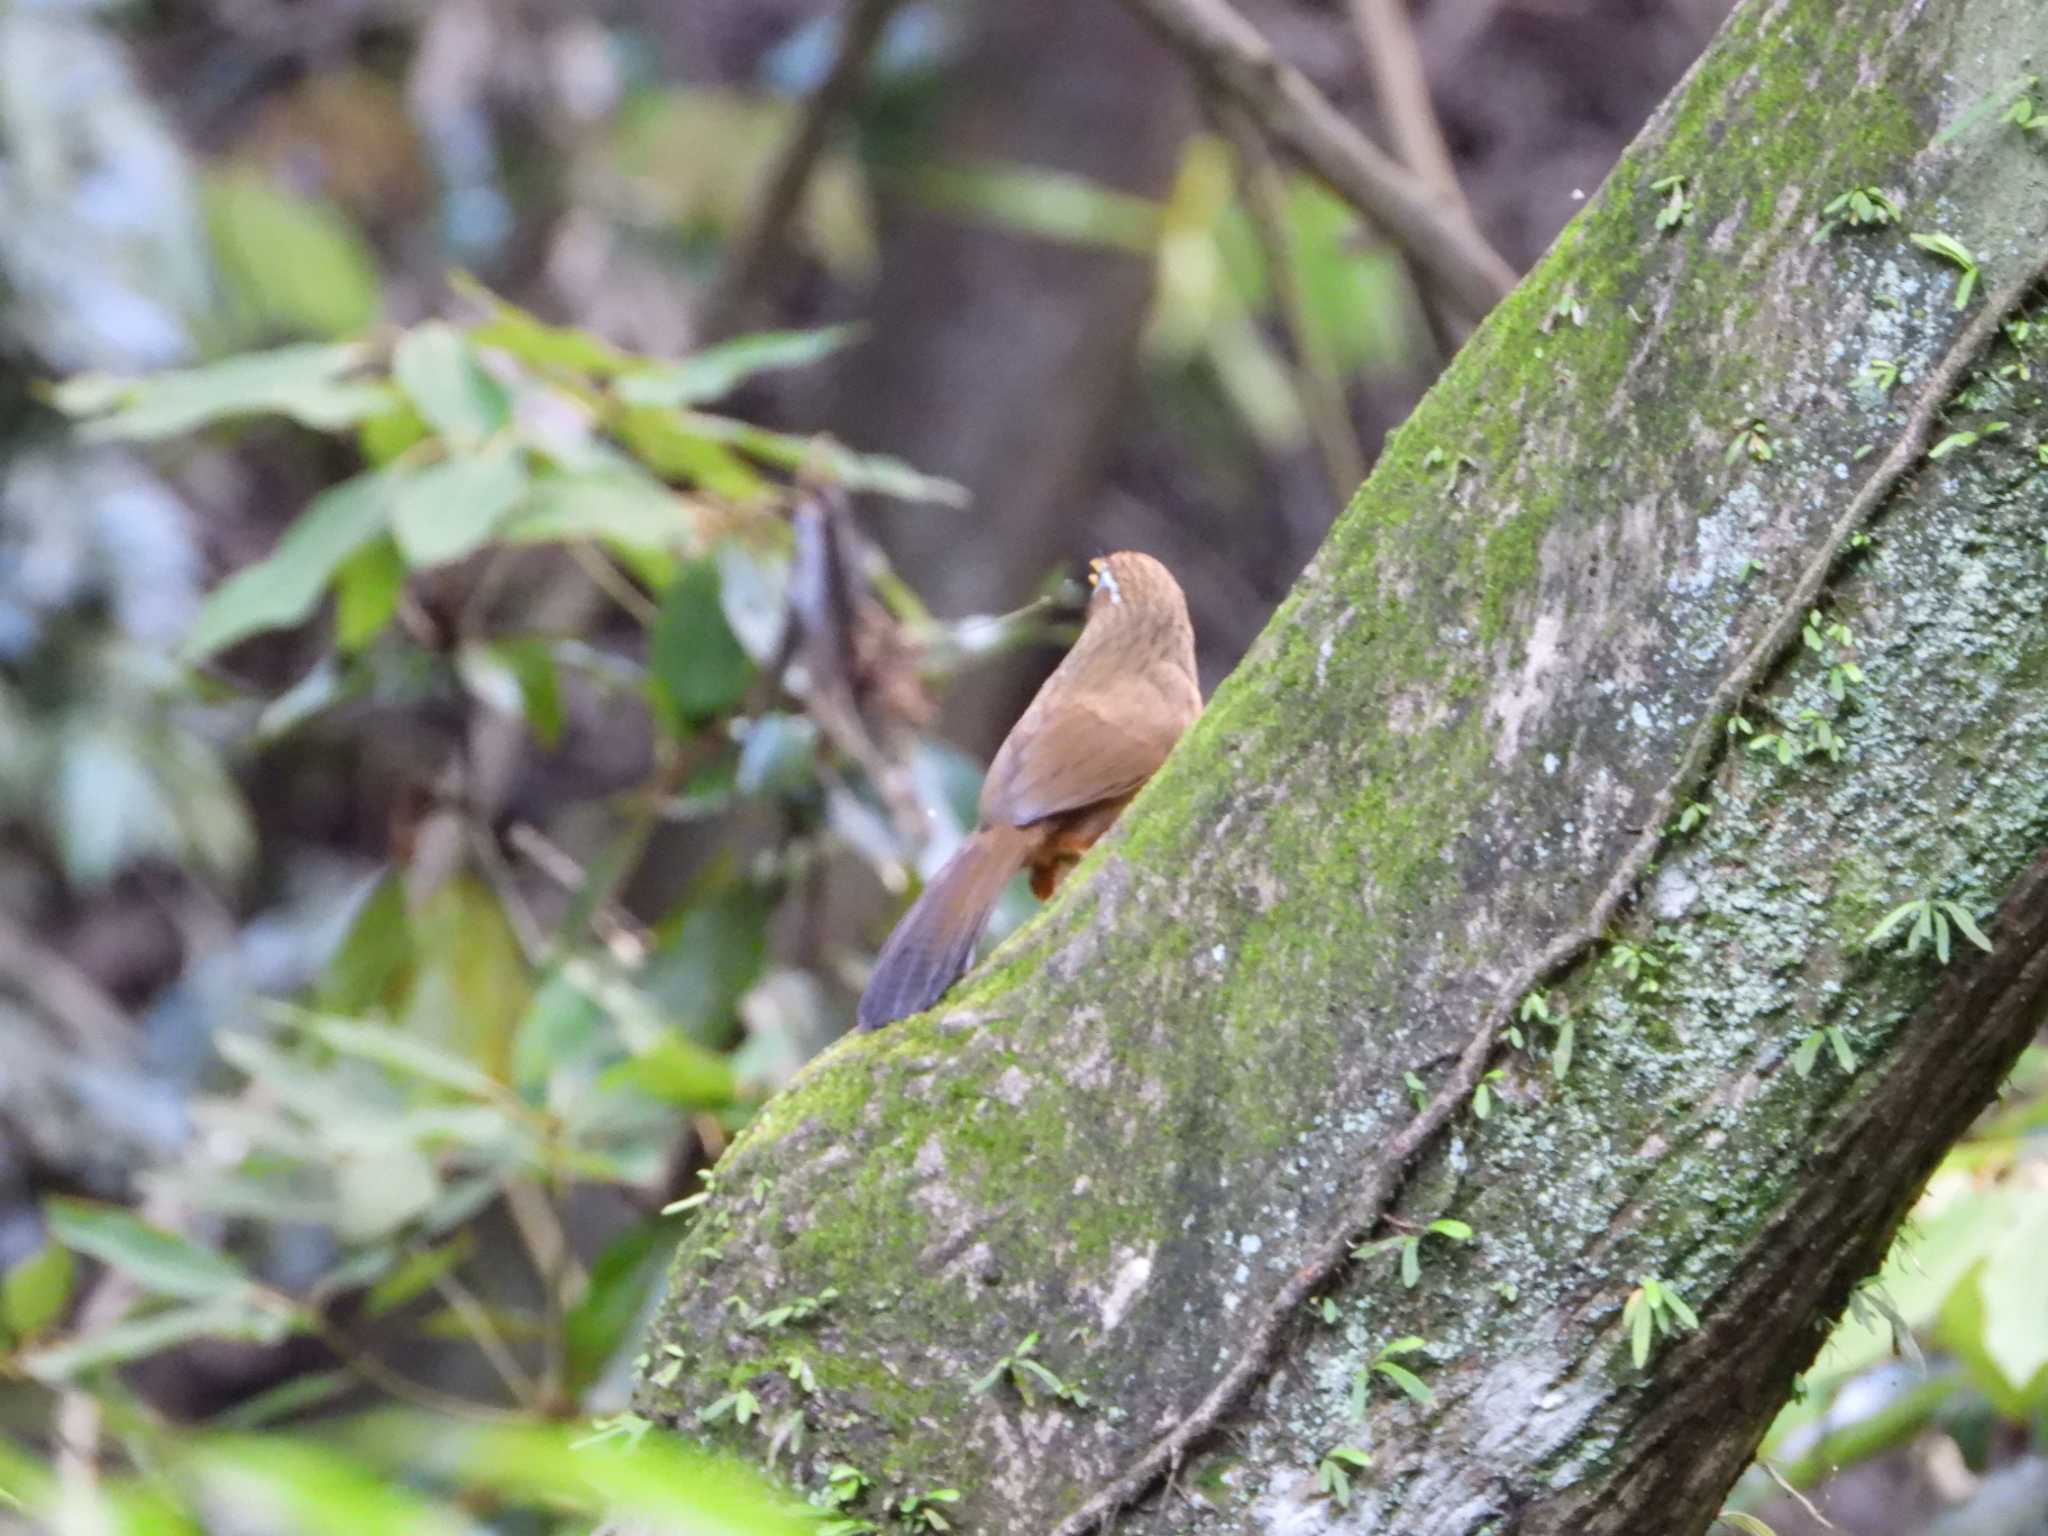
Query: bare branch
[(1228, 51), (1398, 80)]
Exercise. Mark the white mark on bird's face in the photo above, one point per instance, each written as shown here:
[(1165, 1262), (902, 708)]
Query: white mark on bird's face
[(1106, 578)]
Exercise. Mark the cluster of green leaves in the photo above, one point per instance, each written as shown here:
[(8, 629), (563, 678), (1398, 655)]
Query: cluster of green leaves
[(459, 1057)]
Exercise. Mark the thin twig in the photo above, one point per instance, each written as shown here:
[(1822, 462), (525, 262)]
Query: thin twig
[(404, 1388), (1321, 390), (1227, 50), (1402, 86), (752, 256), (613, 582), (1375, 1193), (489, 1340)]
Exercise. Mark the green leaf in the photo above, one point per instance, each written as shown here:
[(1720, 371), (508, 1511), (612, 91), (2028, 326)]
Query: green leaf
[(439, 371), (1561, 1053), (1482, 1101), (309, 383), (822, 455), (296, 263), (697, 661), (33, 1293), (532, 340), (1678, 1308), (139, 1338), (1449, 1226), (1840, 1041), (1892, 919), (1641, 1321), (1407, 1381), (162, 1263), (446, 511), (677, 1071), (1407, 1344), (1808, 1052), (1411, 1262), (1968, 924), (714, 372), (367, 586), (283, 589)]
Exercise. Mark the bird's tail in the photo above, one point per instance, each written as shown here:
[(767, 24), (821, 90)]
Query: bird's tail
[(933, 943)]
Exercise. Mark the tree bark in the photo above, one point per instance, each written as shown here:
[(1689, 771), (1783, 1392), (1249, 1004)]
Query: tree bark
[(1456, 767)]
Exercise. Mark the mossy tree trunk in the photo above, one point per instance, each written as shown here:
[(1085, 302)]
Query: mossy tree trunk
[(1457, 764)]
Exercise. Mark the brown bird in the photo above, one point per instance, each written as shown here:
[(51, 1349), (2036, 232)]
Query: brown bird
[(1099, 728)]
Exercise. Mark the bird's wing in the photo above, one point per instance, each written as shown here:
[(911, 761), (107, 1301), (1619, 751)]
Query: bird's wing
[(1067, 752)]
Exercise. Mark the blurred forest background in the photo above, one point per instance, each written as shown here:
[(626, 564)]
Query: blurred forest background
[(492, 628)]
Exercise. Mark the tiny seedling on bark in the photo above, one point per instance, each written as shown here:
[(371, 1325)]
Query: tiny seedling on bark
[(1953, 251), (1654, 1308), (920, 1510), (1334, 1472), (1808, 1053), (1029, 1376), (1857, 208), (1931, 919), (1955, 442), (1386, 1365), (1678, 206), (1753, 437)]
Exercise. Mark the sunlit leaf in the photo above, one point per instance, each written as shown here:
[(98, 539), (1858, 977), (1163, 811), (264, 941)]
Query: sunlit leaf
[(310, 383), (715, 371), (822, 455), (446, 511), (532, 340), (440, 373)]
